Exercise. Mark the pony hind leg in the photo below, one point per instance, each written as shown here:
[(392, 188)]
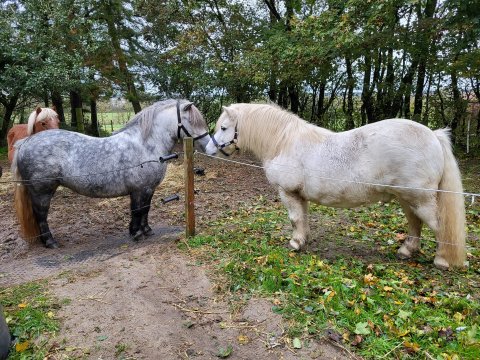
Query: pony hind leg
[(427, 212), (298, 214), (40, 207), (412, 243)]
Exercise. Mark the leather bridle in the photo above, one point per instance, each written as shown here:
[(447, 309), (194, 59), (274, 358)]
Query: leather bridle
[(220, 147), (182, 127)]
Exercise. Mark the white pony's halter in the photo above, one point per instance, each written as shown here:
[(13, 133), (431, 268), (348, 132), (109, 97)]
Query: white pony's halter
[(220, 147), (182, 127)]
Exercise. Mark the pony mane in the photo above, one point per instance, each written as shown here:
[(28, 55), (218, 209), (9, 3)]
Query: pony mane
[(45, 113), (267, 129), (144, 119)]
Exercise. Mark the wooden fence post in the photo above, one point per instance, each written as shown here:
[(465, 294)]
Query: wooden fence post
[(189, 187)]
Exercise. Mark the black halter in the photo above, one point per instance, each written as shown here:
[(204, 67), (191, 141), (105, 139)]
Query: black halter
[(220, 147), (181, 127)]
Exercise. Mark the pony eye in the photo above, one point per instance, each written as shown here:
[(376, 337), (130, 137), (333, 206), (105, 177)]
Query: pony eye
[(223, 128)]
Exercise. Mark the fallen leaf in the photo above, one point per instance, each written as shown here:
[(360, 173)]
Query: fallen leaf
[(243, 339), (458, 317), (334, 335), (22, 305), (402, 333), (358, 339), (404, 315), (369, 279), (224, 353), (21, 347), (297, 344), (387, 288), (411, 347), (446, 333), (361, 328), (50, 314)]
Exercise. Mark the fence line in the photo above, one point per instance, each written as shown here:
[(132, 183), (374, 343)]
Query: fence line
[(37, 180), (473, 195), (468, 194)]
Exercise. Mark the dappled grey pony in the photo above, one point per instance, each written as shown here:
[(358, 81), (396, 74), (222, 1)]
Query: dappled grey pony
[(126, 163), (393, 158)]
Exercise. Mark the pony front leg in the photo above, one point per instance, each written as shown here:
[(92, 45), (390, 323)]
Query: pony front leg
[(140, 206), (146, 229), (297, 212)]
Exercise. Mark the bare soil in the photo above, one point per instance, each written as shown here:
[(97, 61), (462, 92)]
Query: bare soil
[(148, 299)]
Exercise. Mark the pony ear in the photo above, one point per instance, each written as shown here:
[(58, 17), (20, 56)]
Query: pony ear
[(232, 114), (38, 110), (54, 108), (187, 106)]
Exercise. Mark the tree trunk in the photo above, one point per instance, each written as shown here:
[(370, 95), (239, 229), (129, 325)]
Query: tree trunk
[(424, 54), (94, 116), (405, 88), (294, 99), (458, 105), (349, 123), (427, 102), (9, 105), (76, 110), (45, 99), (365, 108), (57, 101), (283, 97), (314, 99), (132, 95), (320, 106)]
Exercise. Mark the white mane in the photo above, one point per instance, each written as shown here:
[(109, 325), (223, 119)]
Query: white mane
[(267, 130)]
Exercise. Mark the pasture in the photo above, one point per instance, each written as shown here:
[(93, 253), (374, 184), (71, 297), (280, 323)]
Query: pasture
[(235, 290)]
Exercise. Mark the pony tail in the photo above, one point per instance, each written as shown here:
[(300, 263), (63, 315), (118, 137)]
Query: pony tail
[(23, 205), (451, 207), (32, 119)]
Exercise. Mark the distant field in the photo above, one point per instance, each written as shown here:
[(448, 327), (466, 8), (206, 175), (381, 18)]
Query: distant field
[(111, 121)]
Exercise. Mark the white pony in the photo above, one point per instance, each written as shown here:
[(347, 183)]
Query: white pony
[(393, 158)]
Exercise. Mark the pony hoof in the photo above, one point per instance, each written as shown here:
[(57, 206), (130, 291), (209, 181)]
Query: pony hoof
[(51, 244), (403, 253), (295, 245), (147, 231), (441, 263), (137, 236)]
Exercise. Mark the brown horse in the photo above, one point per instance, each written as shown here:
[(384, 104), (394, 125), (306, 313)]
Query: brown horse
[(39, 120)]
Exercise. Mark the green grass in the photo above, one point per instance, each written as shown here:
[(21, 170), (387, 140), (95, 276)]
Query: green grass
[(30, 312), (112, 121), (377, 308)]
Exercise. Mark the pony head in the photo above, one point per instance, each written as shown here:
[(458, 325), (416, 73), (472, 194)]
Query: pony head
[(42, 119), (191, 123), (226, 133)]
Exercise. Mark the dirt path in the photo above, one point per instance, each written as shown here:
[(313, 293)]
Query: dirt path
[(145, 300)]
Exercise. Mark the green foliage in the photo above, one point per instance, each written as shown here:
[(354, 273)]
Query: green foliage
[(217, 52), (30, 313)]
